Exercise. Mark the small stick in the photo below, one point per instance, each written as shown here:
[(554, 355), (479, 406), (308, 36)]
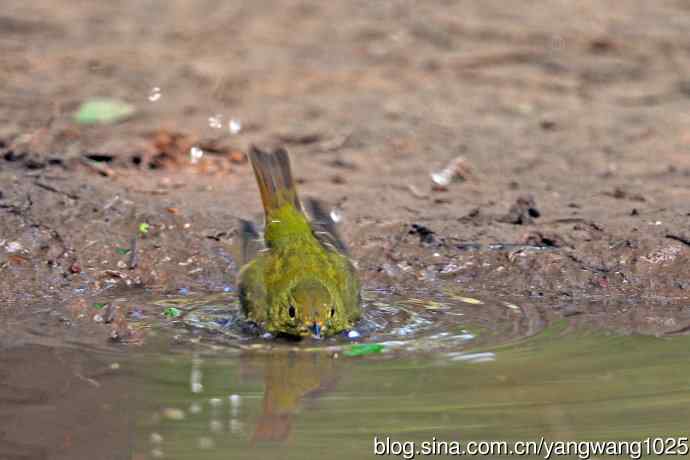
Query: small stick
[(133, 254)]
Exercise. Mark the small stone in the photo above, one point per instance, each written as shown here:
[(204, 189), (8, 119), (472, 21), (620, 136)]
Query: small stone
[(14, 246)]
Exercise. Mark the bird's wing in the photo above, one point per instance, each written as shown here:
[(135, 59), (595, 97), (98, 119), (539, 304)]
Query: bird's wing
[(250, 242), (324, 227)]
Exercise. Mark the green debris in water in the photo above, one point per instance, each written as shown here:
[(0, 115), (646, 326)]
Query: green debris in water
[(363, 349), (99, 306), (103, 111), (144, 228), (172, 312), (122, 251)]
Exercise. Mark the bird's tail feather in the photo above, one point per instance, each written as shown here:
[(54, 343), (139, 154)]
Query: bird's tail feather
[(274, 177)]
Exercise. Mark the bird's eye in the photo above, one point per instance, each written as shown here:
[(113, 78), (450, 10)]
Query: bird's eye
[(332, 312), (291, 311)]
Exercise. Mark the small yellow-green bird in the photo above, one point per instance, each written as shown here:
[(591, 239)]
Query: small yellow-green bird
[(301, 282)]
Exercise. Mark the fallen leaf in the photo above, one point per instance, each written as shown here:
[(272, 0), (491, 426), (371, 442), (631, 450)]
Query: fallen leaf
[(172, 312), (363, 349), (103, 111)]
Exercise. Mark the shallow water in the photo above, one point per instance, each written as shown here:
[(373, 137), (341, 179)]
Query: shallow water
[(451, 369)]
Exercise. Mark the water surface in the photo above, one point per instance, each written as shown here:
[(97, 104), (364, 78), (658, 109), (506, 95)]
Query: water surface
[(451, 369)]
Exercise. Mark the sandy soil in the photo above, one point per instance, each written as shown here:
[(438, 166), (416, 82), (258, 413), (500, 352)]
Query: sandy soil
[(572, 119)]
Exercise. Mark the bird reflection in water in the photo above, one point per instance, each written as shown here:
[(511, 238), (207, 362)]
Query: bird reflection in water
[(291, 380)]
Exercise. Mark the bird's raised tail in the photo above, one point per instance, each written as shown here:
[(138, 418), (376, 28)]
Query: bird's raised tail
[(274, 176)]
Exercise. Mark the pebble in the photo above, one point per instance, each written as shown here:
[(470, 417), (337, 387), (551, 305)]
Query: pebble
[(14, 246)]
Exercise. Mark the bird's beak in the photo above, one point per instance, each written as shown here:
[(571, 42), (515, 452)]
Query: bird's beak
[(316, 329)]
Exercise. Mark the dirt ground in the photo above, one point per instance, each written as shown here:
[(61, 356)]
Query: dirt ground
[(573, 120)]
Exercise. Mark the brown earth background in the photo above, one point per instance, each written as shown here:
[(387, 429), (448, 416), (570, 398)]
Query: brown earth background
[(572, 120)]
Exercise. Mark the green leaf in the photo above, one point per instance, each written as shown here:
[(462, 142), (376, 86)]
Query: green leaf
[(104, 111), (172, 312), (144, 228), (99, 305), (362, 349), (122, 251)]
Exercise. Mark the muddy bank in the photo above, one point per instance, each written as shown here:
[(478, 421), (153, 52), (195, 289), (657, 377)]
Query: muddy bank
[(574, 137)]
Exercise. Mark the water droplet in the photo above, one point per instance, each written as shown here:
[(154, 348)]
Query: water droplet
[(450, 268), (390, 270), (336, 215), (195, 154), (235, 126), (197, 387), (353, 334), (173, 413), (155, 94), (216, 121), (216, 426), (236, 426), (441, 178), (475, 357), (206, 443)]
